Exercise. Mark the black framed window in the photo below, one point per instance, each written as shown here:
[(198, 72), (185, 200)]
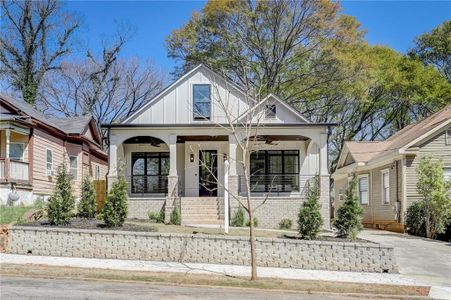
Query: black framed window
[(201, 101), (149, 172), (270, 111), (274, 171)]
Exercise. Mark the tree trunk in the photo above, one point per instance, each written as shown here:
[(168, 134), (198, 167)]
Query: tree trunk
[(252, 243)]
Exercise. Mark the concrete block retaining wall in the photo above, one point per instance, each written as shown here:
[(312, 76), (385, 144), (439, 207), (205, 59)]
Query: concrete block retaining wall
[(318, 255)]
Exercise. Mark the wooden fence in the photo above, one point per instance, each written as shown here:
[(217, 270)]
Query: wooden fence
[(100, 187)]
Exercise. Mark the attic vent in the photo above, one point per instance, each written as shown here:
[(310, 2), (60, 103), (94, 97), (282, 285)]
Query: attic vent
[(270, 111)]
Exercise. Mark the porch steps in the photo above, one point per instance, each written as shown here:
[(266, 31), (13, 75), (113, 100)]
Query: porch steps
[(202, 211)]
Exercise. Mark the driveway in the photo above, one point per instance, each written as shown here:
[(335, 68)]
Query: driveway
[(426, 260)]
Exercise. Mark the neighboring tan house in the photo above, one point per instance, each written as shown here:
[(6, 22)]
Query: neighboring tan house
[(33, 146), (161, 148), (386, 170)]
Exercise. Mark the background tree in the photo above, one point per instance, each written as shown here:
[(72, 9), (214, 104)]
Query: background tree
[(436, 196), (434, 48), (349, 215), (35, 36), (315, 58), (87, 204), (62, 201), (310, 220)]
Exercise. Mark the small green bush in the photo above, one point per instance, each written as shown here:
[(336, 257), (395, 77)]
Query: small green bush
[(349, 216), (309, 217), (285, 224), (62, 201), (238, 218), (248, 222), (87, 205), (175, 218), (115, 209), (156, 216), (416, 220)]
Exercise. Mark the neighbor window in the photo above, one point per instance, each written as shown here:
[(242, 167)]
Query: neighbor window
[(340, 194), (97, 172), (270, 112), (274, 171), (363, 189), (73, 167), (16, 151), (201, 101), (447, 172), (385, 186), (49, 162)]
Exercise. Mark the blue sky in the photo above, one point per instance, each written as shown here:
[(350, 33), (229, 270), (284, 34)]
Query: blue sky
[(392, 23)]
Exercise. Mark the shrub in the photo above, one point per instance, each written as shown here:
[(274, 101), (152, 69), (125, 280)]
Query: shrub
[(285, 224), (115, 209), (87, 205), (309, 217), (156, 216), (238, 218), (248, 222), (62, 201), (415, 219), (349, 216), (175, 218)]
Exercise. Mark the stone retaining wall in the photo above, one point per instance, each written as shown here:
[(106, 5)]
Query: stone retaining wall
[(317, 255)]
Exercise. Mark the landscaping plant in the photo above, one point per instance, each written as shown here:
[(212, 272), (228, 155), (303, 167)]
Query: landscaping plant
[(415, 220), (156, 216), (349, 216), (87, 205), (248, 223), (435, 192), (285, 224), (62, 201), (175, 218), (115, 209), (309, 218), (238, 218)]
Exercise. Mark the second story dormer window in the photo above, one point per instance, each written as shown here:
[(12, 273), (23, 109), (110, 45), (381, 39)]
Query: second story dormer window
[(201, 102), (270, 112)]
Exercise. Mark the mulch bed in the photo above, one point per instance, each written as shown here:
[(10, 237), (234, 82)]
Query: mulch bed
[(82, 223), (327, 239)]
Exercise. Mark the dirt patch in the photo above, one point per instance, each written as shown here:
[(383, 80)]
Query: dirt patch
[(82, 223), (3, 238), (328, 239), (306, 286)]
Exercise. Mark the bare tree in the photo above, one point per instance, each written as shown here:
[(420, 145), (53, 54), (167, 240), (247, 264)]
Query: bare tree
[(35, 36), (107, 87), (245, 127)]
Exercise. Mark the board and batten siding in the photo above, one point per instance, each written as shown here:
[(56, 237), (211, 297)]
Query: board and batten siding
[(436, 148)]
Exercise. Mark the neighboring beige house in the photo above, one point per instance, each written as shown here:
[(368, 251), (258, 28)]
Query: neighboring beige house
[(386, 170), (162, 146), (33, 146)]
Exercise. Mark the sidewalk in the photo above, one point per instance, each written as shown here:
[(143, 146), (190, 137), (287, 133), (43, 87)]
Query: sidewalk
[(226, 270)]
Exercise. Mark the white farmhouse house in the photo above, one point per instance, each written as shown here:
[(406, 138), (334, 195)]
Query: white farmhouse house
[(174, 152)]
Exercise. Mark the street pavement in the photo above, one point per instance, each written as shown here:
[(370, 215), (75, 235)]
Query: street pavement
[(38, 288)]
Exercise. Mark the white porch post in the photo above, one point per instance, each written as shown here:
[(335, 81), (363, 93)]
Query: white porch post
[(324, 180), (233, 180), (172, 178), (112, 159), (8, 135), (226, 196)]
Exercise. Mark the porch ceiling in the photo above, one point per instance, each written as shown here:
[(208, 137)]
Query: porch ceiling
[(202, 138)]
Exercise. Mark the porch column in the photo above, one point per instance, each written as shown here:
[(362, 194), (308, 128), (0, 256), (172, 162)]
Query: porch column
[(324, 180), (8, 135), (30, 156), (172, 198), (112, 160), (233, 176)]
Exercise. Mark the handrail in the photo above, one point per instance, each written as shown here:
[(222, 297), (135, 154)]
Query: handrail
[(276, 183), (147, 184)]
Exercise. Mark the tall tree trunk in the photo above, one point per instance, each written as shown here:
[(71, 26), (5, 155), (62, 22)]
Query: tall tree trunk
[(252, 241)]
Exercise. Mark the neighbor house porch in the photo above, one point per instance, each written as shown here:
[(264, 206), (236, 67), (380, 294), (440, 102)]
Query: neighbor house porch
[(194, 170)]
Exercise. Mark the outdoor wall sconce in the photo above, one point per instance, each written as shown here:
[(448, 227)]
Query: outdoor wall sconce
[(225, 156), (191, 157)]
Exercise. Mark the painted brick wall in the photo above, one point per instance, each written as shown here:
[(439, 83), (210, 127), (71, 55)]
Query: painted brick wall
[(317, 255)]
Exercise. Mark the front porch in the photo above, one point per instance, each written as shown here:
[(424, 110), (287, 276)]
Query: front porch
[(196, 172)]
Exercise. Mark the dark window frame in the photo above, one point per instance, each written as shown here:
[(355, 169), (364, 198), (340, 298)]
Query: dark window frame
[(146, 156), (197, 116), (270, 111)]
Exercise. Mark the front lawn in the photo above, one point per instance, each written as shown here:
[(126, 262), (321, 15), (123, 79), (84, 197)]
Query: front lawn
[(9, 214)]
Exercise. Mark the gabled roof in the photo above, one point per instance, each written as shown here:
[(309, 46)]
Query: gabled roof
[(68, 126), (363, 152)]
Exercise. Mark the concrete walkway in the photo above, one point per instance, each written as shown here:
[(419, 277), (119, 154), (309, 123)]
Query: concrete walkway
[(427, 261)]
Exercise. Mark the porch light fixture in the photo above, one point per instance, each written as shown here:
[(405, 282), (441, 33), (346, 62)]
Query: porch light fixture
[(191, 157), (225, 156)]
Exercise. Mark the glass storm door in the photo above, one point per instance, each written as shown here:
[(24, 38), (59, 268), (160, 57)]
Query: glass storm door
[(208, 172)]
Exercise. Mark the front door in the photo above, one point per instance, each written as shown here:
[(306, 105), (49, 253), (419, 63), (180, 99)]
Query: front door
[(208, 173)]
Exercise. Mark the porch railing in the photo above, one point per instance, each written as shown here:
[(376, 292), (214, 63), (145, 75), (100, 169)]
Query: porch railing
[(147, 184), (276, 184), (12, 170)]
